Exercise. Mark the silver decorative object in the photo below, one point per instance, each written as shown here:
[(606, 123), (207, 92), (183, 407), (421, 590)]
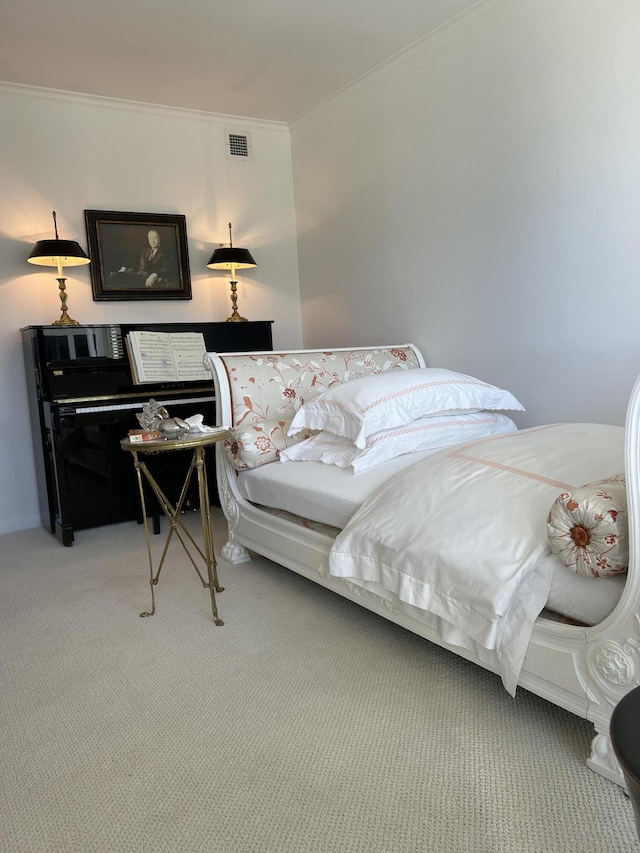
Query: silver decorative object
[(152, 415), (173, 427)]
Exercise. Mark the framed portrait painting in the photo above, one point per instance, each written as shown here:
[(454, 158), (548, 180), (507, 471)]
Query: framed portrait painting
[(138, 255)]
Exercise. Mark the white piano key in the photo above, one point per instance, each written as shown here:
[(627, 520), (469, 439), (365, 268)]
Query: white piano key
[(113, 407)]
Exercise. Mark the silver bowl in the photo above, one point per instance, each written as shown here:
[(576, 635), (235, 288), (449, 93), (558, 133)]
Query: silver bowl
[(173, 427)]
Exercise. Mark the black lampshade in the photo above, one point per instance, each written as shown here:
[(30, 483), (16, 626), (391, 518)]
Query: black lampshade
[(230, 257), (48, 253)]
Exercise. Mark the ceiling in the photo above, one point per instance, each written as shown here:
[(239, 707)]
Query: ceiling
[(268, 59)]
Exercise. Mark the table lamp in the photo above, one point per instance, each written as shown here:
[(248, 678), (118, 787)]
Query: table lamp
[(231, 258), (59, 253)]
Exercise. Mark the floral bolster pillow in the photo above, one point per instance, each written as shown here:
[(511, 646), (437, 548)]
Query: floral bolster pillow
[(360, 407), (587, 528), (253, 444)]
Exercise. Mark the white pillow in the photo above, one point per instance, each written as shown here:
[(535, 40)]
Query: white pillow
[(423, 434), (367, 405)]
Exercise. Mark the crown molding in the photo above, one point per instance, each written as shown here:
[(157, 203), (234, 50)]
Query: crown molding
[(445, 30), (140, 107)]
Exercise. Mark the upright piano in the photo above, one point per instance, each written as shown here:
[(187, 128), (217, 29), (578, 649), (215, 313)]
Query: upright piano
[(83, 401)]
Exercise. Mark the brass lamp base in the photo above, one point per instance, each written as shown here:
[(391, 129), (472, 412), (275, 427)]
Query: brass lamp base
[(65, 319), (235, 317)]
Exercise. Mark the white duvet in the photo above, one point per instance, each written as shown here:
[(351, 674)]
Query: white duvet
[(459, 537)]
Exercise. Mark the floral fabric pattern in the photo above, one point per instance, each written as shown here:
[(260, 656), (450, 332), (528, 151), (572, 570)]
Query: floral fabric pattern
[(257, 443), (587, 528), (318, 526), (268, 389)]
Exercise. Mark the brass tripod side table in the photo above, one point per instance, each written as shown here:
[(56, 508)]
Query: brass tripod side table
[(196, 443)]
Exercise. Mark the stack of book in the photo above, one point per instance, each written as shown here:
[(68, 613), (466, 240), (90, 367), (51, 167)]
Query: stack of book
[(145, 435)]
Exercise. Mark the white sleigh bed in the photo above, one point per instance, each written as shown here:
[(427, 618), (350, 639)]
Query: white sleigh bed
[(305, 515)]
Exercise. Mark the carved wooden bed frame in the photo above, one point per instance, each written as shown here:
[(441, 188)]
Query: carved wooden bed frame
[(585, 670)]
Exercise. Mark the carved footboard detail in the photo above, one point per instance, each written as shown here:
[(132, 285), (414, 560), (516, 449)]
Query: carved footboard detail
[(231, 551), (234, 554), (603, 760), (612, 669), (612, 660), (612, 665)]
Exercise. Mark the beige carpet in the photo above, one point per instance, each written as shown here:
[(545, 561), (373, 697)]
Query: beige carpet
[(304, 724)]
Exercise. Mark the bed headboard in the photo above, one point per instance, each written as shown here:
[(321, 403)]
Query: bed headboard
[(258, 393)]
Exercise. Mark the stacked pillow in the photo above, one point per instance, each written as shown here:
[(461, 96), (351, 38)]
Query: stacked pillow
[(375, 418)]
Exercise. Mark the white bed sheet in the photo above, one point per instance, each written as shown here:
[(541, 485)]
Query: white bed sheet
[(317, 491), (462, 534), (331, 495), (588, 600)]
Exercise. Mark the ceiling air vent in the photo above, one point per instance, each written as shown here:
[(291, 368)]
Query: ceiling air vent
[(238, 145)]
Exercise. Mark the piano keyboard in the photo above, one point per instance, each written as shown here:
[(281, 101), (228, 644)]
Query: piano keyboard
[(114, 407)]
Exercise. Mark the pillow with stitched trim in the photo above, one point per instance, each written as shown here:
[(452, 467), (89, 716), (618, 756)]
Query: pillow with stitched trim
[(253, 444), (588, 528), (422, 434), (361, 407)]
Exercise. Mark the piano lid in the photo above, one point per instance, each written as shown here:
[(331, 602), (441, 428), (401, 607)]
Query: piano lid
[(63, 345)]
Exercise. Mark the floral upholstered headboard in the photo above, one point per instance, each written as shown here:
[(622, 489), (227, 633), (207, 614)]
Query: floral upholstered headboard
[(265, 390)]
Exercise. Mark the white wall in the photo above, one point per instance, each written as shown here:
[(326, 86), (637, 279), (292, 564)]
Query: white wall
[(70, 153), (480, 196)]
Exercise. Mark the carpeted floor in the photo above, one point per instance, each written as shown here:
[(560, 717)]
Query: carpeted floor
[(304, 724)]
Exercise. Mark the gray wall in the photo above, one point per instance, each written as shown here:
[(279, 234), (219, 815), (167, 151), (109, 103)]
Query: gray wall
[(480, 197)]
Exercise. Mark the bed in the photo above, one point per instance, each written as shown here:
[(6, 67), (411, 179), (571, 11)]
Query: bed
[(565, 630)]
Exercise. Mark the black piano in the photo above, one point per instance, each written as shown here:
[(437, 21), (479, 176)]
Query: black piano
[(83, 401)]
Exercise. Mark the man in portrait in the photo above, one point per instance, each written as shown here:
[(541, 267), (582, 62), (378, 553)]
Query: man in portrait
[(154, 269)]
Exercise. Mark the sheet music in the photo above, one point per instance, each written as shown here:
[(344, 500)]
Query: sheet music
[(188, 353), (168, 356)]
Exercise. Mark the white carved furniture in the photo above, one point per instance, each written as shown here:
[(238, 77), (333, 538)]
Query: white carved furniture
[(586, 670)]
